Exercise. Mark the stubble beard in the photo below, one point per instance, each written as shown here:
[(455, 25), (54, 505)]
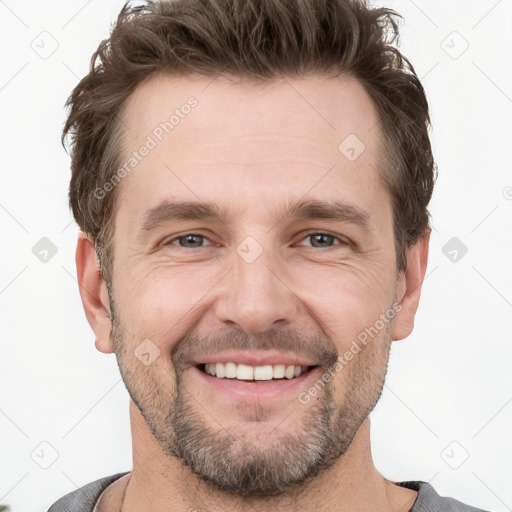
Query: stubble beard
[(249, 466)]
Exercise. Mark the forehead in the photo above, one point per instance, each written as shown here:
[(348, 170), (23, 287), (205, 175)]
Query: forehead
[(248, 143), (322, 108)]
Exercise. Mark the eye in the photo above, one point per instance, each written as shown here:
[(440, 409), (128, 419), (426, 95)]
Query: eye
[(189, 241), (195, 240), (323, 240)]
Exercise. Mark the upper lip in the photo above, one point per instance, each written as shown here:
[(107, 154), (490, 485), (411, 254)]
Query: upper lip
[(255, 358)]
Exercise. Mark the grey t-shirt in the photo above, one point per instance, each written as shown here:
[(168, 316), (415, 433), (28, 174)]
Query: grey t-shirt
[(85, 498)]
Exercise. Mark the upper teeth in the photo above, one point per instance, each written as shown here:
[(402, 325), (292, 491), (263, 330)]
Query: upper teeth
[(245, 372)]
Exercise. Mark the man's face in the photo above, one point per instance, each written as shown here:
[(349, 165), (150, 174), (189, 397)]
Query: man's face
[(298, 264)]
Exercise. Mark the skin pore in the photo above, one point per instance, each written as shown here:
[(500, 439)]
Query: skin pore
[(245, 234)]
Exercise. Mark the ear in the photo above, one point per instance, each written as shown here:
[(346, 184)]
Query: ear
[(409, 288), (93, 291)]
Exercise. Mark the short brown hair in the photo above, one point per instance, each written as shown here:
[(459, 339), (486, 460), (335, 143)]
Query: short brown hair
[(255, 40)]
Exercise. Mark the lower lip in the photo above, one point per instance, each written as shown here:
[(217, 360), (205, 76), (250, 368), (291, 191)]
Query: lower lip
[(266, 389)]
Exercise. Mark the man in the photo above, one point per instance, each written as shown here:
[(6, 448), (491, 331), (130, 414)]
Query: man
[(251, 180)]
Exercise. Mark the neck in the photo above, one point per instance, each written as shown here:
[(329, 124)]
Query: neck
[(162, 484)]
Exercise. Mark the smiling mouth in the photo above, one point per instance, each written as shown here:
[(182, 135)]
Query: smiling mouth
[(269, 372)]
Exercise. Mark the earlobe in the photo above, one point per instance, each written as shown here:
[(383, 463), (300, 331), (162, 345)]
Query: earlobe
[(409, 288), (93, 291)]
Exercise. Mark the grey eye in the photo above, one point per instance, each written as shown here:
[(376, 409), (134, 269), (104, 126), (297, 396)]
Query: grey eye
[(190, 241), (321, 240)]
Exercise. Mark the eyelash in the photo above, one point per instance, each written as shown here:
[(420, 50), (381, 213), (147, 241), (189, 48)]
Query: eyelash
[(341, 240)]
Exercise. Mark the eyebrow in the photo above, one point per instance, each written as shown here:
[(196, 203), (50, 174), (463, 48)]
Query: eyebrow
[(168, 211), (328, 210)]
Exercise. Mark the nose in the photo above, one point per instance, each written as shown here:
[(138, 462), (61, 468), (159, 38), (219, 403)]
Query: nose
[(255, 296)]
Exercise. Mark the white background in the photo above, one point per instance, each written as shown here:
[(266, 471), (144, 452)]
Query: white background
[(449, 389)]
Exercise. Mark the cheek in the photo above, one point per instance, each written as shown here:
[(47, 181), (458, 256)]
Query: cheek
[(345, 301), (163, 303), (361, 370)]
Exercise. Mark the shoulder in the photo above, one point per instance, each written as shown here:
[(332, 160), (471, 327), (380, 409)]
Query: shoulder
[(84, 499), (429, 501)]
